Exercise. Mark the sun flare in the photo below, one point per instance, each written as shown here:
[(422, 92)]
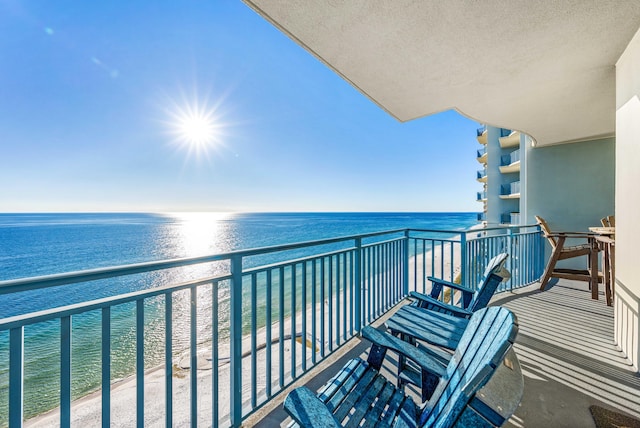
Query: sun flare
[(196, 127)]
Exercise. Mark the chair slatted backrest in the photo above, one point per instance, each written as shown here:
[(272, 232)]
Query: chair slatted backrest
[(547, 232), (484, 344), (489, 283)]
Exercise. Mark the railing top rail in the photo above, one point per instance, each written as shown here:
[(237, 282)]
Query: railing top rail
[(31, 283), (78, 308)]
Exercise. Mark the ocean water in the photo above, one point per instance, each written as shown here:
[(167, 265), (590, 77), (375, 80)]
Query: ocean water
[(44, 244)]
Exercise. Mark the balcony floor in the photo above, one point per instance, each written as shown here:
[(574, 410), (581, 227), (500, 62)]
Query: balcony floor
[(565, 346)]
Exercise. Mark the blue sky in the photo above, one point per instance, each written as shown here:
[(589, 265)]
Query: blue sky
[(89, 93)]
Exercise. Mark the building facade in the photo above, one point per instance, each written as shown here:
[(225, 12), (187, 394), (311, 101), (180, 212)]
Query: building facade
[(502, 158)]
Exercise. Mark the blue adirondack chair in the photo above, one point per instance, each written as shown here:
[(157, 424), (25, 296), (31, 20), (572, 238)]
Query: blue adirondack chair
[(434, 322), (439, 323), (471, 300), (360, 396)]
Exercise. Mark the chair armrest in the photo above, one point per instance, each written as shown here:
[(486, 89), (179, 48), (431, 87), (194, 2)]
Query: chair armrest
[(450, 284), (308, 410), (573, 235), (428, 361), (453, 310)]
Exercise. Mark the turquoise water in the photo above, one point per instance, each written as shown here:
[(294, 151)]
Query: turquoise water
[(44, 244)]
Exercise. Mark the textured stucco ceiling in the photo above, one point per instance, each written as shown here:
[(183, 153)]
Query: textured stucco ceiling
[(546, 68)]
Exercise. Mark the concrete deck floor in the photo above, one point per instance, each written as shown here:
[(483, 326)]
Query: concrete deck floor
[(566, 349)]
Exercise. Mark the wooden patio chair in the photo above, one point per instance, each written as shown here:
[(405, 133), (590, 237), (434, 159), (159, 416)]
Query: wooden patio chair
[(608, 221), (359, 395), (561, 251)]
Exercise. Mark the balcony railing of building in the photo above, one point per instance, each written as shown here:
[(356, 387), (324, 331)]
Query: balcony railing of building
[(505, 132), (482, 176), (510, 218), (510, 189), (252, 311), (510, 158), (482, 155), (481, 196), (481, 135), (482, 216), (511, 139)]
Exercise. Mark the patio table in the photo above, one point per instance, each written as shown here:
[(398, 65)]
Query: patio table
[(606, 241)]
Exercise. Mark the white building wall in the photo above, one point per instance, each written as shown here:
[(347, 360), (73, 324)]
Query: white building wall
[(627, 286)]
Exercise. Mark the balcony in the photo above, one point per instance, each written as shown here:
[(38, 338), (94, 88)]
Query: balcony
[(510, 162), (510, 191), (216, 338), (482, 135), (510, 218), (481, 155), (481, 196), (510, 140), (482, 216), (568, 365), (482, 176), (565, 347)]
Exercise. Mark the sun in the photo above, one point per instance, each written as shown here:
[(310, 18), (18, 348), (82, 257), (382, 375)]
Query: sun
[(196, 127)]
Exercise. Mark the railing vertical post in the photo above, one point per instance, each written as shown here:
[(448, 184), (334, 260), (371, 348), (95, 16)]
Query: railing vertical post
[(512, 253), (236, 342), (463, 259), (106, 366), (16, 373), (65, 371), (140, 363), (168, 358), (358, 284), (405, 265)]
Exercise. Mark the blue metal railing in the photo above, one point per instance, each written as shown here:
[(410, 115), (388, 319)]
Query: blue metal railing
[(512, 218), (481, 152), (525, 247), (482, 216), (481, 130), (272, 321), (505, 132), (481, 174), (510, 158), (510, 188), (481, 196)]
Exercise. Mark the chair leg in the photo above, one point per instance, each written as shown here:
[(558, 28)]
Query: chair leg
[(548, 272), (593, 269), (606, 263)]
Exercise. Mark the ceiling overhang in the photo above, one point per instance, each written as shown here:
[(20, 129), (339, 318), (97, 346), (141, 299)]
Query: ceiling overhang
[(546, 68)]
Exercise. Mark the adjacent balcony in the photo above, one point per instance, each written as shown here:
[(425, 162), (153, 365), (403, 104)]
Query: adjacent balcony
[(482, 176), (512, 139), (482, 135), (481, 196), (481, 155), (512, 218), (510, 162), (510, 190), (482, 216)]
